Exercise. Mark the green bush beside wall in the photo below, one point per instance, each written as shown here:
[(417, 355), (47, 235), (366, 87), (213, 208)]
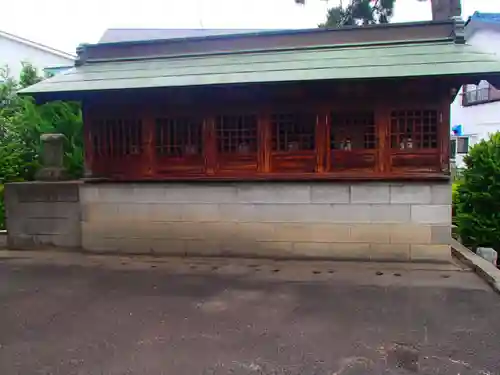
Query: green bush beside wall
[(477, 196)]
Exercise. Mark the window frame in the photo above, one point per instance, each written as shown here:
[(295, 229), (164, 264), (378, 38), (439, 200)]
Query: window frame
[(465, 146), (352, 159), (416, 159), (266, 162), (299, 160), (183, 163), (415, 137), (233, 133), (165, 131), (232, 161), (113, 132), (110, 162), (300, 117)]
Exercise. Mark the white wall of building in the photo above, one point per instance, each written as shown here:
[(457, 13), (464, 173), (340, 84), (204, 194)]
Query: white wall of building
[(478, 121), (13, 53)]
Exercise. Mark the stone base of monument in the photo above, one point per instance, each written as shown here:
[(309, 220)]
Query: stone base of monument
[(51, 174)]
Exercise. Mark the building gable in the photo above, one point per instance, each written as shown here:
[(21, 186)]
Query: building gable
[(15, 50)]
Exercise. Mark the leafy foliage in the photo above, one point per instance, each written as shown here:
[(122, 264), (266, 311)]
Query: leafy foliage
[(22, 122), (477, 199), (367, 12), (360, 12), (13, 156)]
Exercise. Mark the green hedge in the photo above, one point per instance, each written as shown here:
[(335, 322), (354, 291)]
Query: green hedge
[(477, 196)]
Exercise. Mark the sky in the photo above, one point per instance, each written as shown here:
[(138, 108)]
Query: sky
[(64, 24)]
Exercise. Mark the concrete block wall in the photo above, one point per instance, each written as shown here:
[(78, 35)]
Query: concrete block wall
[(43, 214), (376, 221)]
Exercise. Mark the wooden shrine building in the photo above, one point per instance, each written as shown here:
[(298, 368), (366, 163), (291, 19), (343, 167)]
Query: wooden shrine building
[(307, 143)]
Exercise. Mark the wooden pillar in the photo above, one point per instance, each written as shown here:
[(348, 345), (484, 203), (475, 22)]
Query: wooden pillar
[(88, 151), (444, 135), (210, 145), (148, 168), (264, 146), (383, 132), (322, 142)]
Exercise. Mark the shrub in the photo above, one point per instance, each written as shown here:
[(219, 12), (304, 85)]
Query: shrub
[(477, 199)]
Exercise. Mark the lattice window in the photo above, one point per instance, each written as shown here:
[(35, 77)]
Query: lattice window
[(293, 132), (236, 134), (178, 137), (117, 137), (414, 129), (353, 130)]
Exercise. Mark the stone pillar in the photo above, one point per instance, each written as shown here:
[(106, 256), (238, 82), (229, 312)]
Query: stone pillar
[(52, 154)]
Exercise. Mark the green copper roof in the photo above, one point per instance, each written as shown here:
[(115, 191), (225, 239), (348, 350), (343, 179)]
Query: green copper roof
[(383, 60)]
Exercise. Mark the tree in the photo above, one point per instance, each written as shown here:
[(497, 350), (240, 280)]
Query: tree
[(366, 12), (359, 12)]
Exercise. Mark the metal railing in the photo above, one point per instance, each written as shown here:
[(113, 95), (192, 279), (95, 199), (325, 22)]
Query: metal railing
[(476, 96)]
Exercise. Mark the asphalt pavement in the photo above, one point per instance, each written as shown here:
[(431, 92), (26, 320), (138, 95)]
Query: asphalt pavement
[(62, 314)]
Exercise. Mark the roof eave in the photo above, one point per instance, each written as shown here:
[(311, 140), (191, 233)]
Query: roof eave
[(36, 45), (78, 95)]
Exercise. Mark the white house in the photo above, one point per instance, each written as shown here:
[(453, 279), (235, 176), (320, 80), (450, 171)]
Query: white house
[(476, 110), (14, 50)]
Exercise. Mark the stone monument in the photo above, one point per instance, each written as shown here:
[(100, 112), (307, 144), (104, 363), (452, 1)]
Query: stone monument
[(52, 158)]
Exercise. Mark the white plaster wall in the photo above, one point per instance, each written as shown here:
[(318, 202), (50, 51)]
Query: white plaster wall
[(12, 53), (478, 121), (486, 40)]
